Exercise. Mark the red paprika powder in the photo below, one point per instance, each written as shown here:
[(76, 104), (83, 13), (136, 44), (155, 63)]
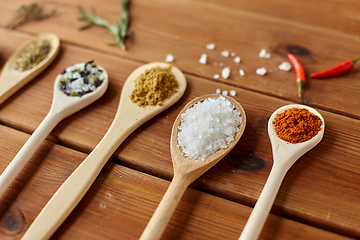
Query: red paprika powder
[(296, 125)]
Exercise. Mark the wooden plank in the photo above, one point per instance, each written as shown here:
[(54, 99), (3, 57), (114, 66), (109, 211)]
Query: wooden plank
[(239, 177), (176, 27), (121, 201)]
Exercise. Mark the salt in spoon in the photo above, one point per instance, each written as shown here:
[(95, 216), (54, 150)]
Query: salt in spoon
[(186, 171), (284, 156), (12, 80), (128, 118), (62, 107)]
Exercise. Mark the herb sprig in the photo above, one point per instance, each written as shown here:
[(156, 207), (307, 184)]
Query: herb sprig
[(119, 29), (28, 13)]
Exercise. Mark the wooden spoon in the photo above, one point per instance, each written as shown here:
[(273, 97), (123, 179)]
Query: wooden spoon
[(12, 80), (62, 107), (129, 117), (284, 155), (186, 171)]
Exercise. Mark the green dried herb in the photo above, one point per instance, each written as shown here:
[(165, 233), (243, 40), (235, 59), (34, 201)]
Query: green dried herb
[(28, 13), (119, 29), (32, 55)]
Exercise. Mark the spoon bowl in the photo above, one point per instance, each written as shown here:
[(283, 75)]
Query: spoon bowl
[(11, 80), (284, 156), (128, 118), (186, 170), (62, 107)]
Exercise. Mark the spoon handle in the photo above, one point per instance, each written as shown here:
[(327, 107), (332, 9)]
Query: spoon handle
[(74, 188), (26, 152), (263, 205), (166, 208)]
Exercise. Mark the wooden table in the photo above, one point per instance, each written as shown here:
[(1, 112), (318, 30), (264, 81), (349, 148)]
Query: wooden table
[(319, 198)]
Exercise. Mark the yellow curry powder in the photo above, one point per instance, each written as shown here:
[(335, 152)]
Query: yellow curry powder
[(154, 86), (297, 125)]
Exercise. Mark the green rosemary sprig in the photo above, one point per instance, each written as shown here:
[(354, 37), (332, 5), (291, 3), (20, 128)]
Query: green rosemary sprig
[(119, 29), (28, 13)]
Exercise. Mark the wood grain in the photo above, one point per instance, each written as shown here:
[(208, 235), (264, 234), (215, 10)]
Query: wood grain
[(320, 191), (161, 27), (239, 177), (121, 201)]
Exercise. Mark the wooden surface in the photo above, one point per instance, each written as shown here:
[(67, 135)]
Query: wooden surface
[(319, 198)]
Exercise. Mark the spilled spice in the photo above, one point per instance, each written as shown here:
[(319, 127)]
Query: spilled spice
[(154, 86), (296, 125), (32, 55)]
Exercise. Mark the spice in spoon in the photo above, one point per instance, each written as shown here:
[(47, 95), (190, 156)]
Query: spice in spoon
[(297, 125), (32, 55), (154, 86), (208, 126), (77, 81)]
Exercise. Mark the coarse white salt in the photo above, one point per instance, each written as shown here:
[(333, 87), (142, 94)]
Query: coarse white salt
[(264, 54), (285, 66), (232, 92), (169, 58), (208, 126), (221, 64), (216, 76), (237, 59), (210, 46), (203, 58), (261, 71), (242, 73), (224, 93), (232, 54), (225, 53), (218, 91), (225, 72)]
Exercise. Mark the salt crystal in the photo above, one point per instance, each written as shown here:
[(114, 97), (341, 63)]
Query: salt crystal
[(261, 71), (208, 126), (233, 54), (232, 92), (285, 66), (169, 58), (221, 64), (225, 53), (237, 59), (242, 73), (216, 76), (224, 93), (203, 58), (218, 91), (225, 72), (264, 54), (210, 46)]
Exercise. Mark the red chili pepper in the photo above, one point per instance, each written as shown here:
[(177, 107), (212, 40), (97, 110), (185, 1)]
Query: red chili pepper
[(337, 70), (300, 73)]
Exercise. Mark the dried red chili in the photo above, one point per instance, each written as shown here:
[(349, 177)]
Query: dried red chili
[(300, 73), (337, 70)]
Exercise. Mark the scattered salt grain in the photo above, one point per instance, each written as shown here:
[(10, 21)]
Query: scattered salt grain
[(221, 64), (224, 93), (218, 91), (232, 92), (169, 58), (237, 59), (207, 127), (264, 54), (216, 76), (242, 73), (203, 58), (225, 72), (225, 53), (261, 71), (210, 46), (285, 66), (233, 54)]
